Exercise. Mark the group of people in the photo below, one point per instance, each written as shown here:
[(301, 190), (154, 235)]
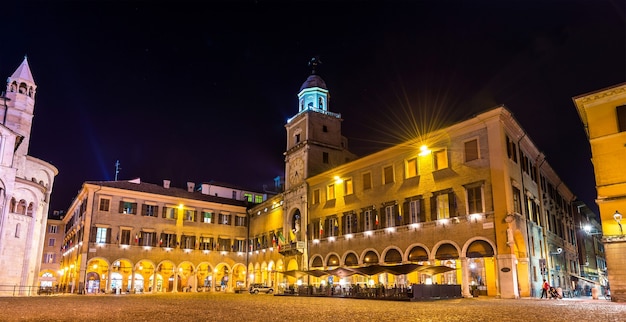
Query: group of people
[(546, 290)]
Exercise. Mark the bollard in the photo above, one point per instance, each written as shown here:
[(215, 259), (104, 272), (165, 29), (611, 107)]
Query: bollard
[(594, 293)]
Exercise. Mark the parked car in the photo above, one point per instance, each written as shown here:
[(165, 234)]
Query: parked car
[(45, 290), (256, 288)]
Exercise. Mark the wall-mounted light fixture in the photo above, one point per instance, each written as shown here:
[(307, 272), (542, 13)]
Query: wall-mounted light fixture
[(618, 218)]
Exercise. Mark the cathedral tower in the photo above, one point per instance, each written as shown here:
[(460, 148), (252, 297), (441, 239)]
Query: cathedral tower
[(17, 112)]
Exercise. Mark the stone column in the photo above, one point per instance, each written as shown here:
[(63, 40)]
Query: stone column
[(465, 277)]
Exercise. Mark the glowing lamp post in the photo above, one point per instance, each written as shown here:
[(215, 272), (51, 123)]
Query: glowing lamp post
[(618, 218)]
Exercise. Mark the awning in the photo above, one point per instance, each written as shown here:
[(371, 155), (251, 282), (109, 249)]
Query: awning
[(370, 270), (341, 272), (585, 279), (294, 273), (434, 270)]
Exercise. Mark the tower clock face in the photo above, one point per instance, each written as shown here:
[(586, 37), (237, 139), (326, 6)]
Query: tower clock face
[(296, 171)]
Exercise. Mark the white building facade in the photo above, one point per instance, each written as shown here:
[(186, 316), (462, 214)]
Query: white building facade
[(25, 188)]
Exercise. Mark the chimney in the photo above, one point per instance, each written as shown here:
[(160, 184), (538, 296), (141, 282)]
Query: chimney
[(190, 186), (205, 188), (166, 184)]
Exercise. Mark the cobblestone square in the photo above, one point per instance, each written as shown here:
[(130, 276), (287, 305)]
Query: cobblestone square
[(246, 307)]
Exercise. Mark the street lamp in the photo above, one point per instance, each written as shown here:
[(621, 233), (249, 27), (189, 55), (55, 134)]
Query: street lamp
[(587, 229), (618, 217)]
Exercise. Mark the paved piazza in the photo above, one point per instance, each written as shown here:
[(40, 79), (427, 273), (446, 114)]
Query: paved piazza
[(246, 307)]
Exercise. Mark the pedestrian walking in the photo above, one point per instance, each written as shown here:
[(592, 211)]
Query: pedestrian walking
[(544, 289)]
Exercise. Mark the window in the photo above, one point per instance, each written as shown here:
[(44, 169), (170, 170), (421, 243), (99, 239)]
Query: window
[(206, 243), (511, 149), (167, 240), (223, 244), (187, 242), (474, 199), (105, 204), (51, 242), (53, 229), (348, 187), (207, 217), (17, 230), (621, 118), (390, 220), (247, 197), (170, 212), (258, 199), (517, 202), (127, 207), (21, 207), (367, 181), (234, 194), (440, 159), (49, 258), (240, 245), (189, 215), (101, 235), (387, 174), (224, 219), (325, 157), (416, 210), (411, 168), (240, 221), (471, 150), (316, 196), (332, 226), (349, 223), (125, 237), (330, 192), (324, 127), (149, 210), (147, 239), (442, 206), (369, 222)]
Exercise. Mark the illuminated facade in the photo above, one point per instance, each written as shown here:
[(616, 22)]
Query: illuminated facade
[(51, 260), (603, 114), (131, 236), (477, 196), (25, 188)]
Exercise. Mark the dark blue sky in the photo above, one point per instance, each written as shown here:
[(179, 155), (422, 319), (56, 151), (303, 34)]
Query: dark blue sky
[(194, 91)]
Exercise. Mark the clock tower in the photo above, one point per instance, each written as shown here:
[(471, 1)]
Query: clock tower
[(314, 145), (314, 140)]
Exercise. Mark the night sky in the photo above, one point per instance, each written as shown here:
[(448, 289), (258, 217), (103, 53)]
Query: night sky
[(199, 91)]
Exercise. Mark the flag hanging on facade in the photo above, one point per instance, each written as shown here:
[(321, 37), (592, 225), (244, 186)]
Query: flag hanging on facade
[(281, 238), (292, 235)]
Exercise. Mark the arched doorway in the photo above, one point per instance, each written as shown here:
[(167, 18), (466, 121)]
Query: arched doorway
[(481, 267), (97, 276), (370, 257), (165, 278), (204, 276), (145, 270), (222, 278), (447, 255)]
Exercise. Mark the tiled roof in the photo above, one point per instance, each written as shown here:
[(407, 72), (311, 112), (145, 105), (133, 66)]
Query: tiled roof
[(172, 192), (23, 72)]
